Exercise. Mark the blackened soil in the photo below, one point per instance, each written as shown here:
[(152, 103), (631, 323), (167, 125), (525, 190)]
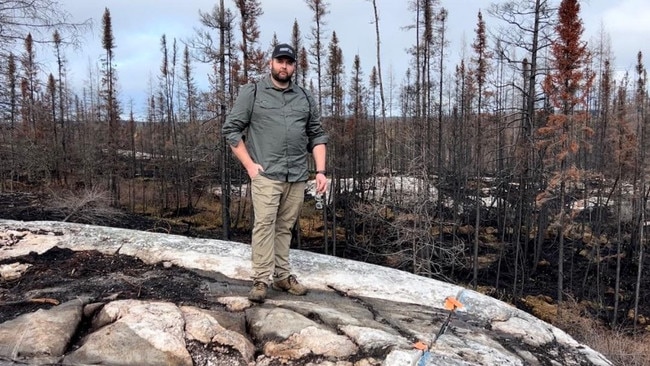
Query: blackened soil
[(59, 275)]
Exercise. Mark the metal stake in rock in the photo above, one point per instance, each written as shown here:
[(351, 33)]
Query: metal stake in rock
[(451, 304)]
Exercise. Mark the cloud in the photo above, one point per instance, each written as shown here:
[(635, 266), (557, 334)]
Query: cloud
[(628, 16), (625, 22)]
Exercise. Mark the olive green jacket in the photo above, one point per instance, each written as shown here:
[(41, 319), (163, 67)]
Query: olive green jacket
[(283, 127)]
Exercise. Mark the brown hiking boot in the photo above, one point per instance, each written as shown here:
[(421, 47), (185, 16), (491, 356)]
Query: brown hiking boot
[(258, 292), (290, 285)]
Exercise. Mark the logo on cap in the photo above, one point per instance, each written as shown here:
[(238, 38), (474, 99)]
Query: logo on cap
[(284, 50)]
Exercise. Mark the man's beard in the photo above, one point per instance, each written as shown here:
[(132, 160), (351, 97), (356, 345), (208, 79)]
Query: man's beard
[(283, 79)]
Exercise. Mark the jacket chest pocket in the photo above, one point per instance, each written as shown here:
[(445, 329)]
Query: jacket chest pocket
[(266, 105), (266, 113), (300, 112)]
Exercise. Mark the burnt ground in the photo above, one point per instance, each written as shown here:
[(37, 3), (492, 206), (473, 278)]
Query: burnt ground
[(63, 274)]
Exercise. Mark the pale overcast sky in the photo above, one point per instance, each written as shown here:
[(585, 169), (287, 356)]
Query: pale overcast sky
[(139, 24)]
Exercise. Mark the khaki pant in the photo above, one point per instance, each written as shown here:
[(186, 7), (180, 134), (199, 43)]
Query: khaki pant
[(276, 206)]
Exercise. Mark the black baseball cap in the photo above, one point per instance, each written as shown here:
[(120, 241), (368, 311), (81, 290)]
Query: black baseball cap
[(284, 50)]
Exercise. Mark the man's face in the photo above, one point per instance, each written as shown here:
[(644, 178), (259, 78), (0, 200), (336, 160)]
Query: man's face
[(282, 69)]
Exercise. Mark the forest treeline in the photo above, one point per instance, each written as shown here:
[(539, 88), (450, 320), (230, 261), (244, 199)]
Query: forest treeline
[(531, 144)]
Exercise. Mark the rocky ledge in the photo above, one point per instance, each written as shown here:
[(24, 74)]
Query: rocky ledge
[(355, 313)]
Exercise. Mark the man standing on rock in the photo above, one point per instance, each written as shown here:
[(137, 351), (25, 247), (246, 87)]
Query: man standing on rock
[(284, 126)]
